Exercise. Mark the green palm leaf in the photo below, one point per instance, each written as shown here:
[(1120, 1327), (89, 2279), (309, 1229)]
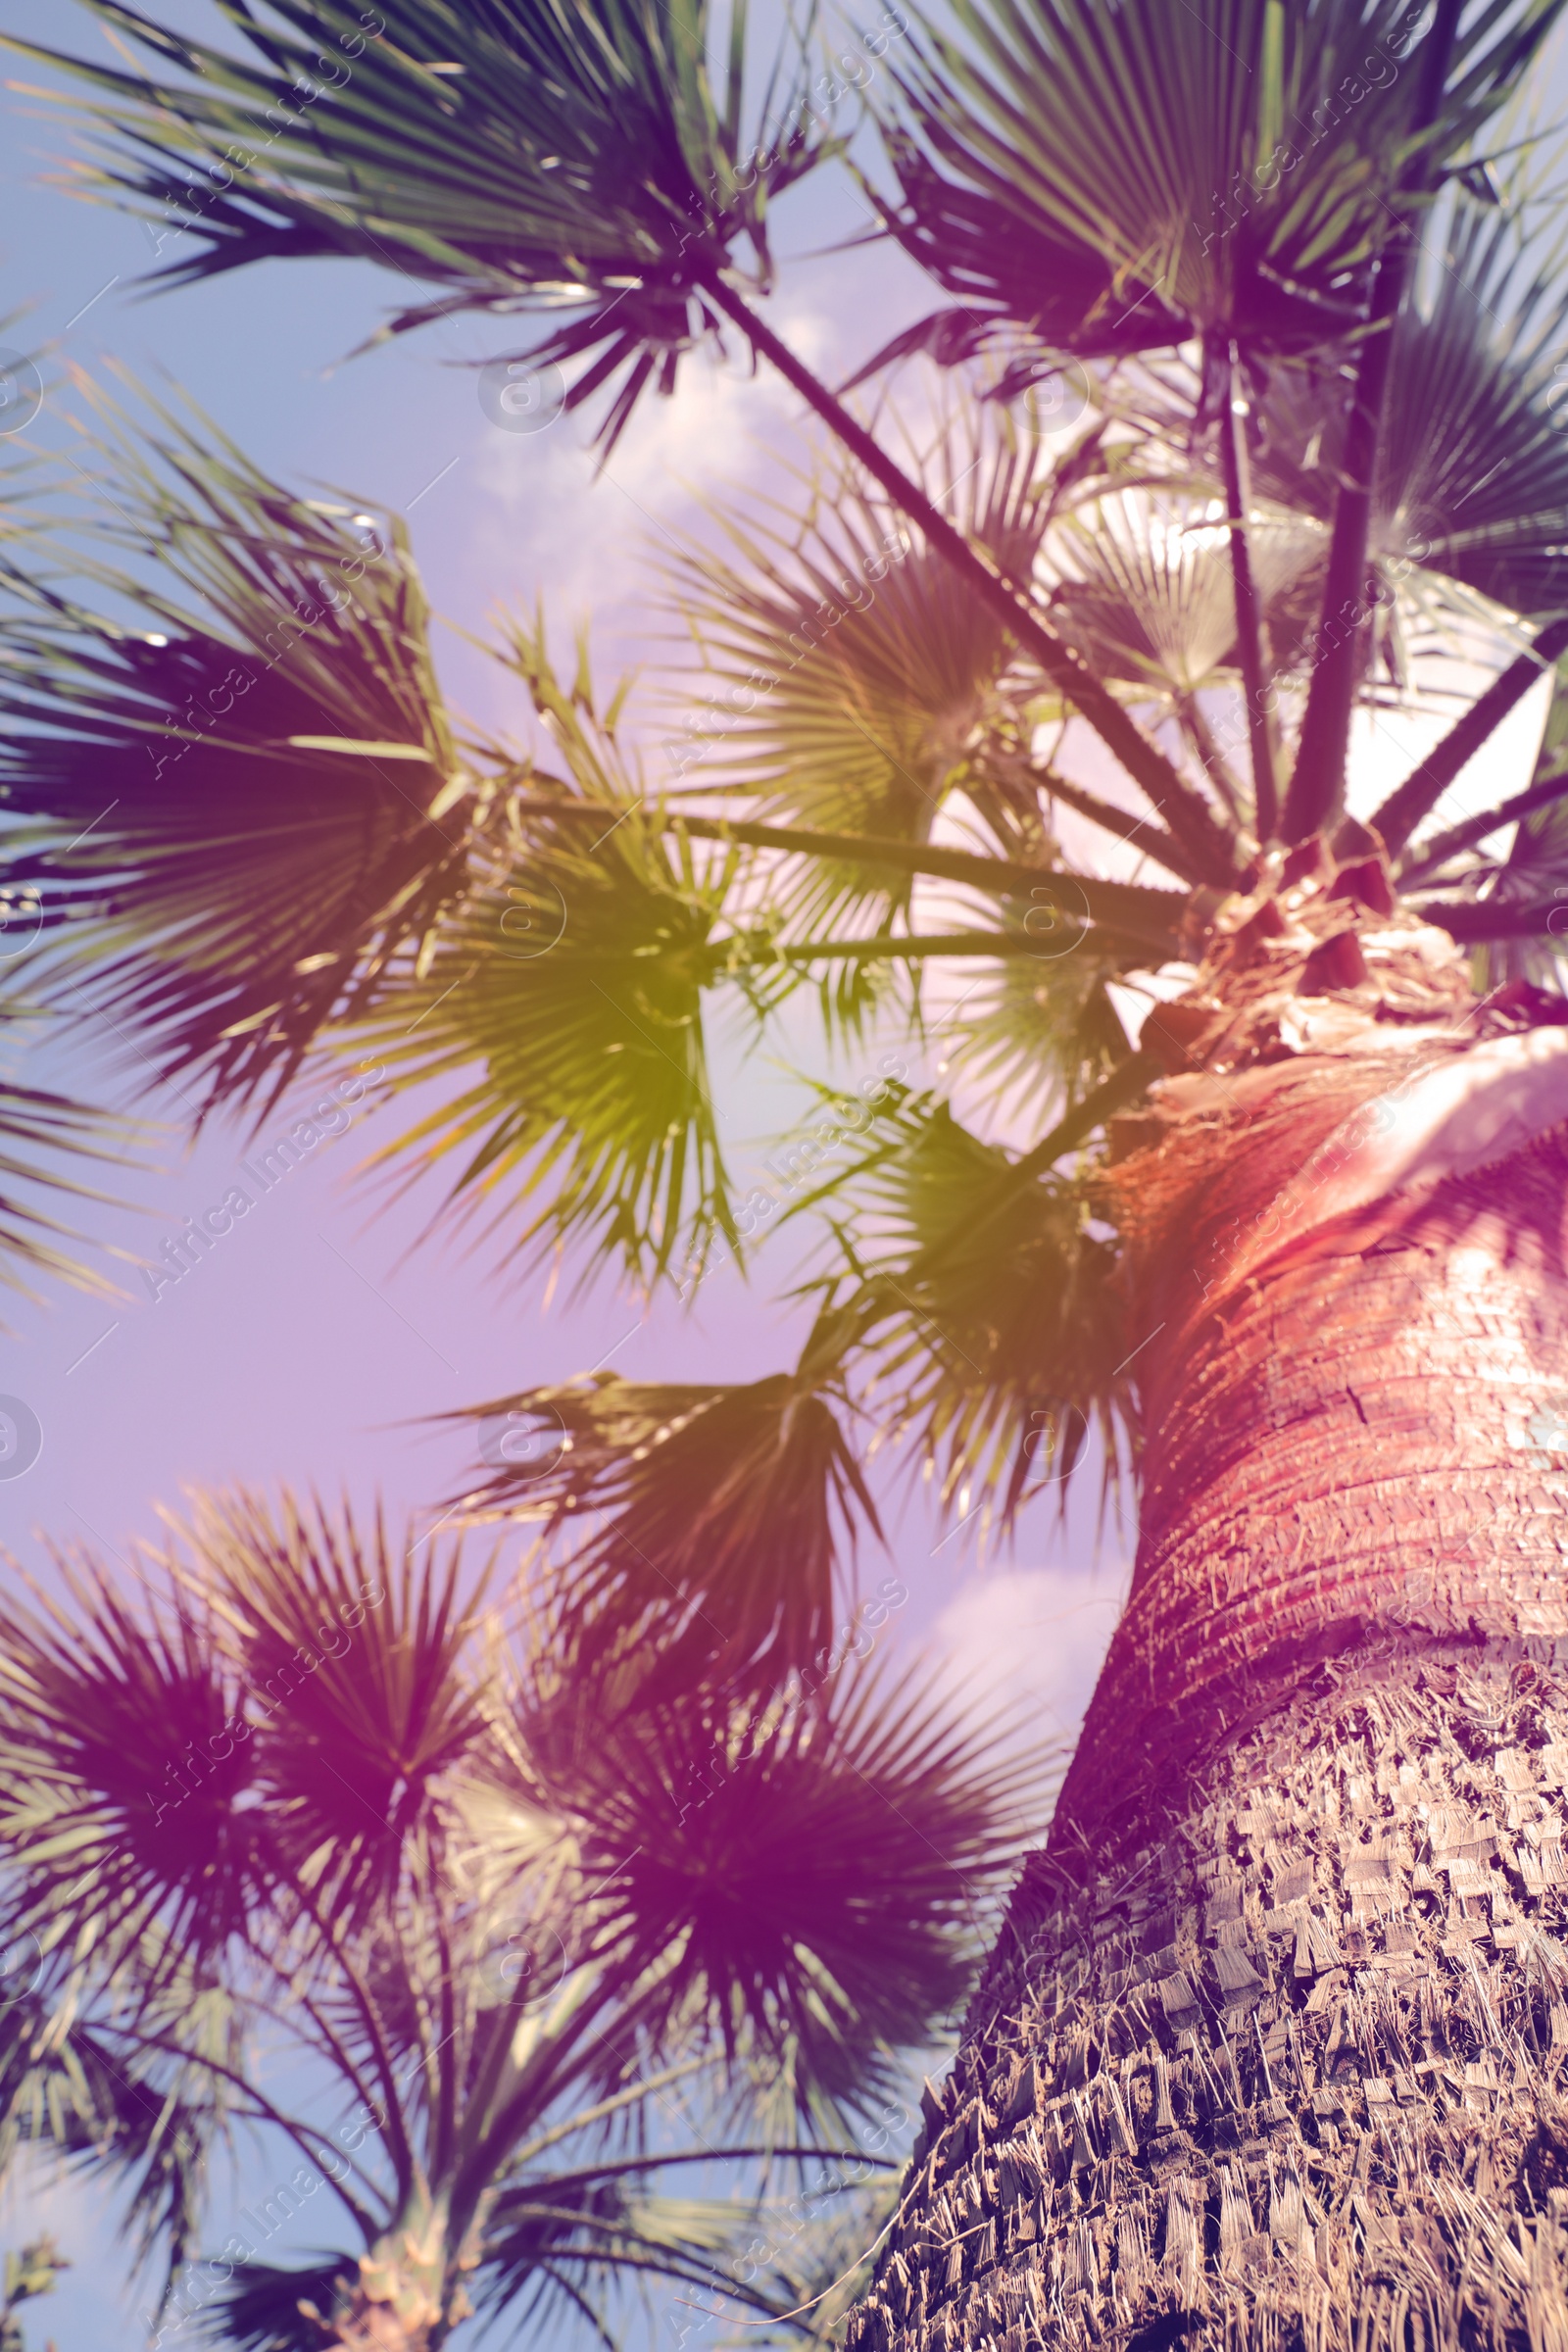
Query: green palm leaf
[(847, 669), (1112, 181), (564, 995), (575, 158), (1041, 1033), (234, 812), (997, 1326)]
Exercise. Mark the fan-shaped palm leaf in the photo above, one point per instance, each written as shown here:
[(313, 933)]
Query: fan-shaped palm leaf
[(707, 1822), (1472, 478), (1145, 587), (997, 1327), (241, 810), (847, 669), (122, 1777), (721, 1509), (1043, 1033), (352, 1651), (571, 983), (513, 157), (1121, 179)]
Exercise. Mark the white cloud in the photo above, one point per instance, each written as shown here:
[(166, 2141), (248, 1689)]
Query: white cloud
[(1028, 1643), (545, 522)]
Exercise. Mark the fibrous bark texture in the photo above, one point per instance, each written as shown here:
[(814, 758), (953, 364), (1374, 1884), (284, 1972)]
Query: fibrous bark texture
[(1289, 2072), (1271, 2051)]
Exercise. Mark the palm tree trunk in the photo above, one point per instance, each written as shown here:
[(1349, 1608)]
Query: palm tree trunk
[(1270, 2052), (404, 2300), (376, 2328)]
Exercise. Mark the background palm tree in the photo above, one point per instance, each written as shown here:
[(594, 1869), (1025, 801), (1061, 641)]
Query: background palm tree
[(1270, 2046), (541, 1923)]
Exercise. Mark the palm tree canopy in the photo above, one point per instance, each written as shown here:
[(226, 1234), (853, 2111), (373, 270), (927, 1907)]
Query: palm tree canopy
[(313, 1778), (581, 157), (1125, 178), (281, 673)]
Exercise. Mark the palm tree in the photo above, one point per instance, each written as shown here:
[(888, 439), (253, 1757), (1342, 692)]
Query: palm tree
[(1269, 2049), (537, 1925)]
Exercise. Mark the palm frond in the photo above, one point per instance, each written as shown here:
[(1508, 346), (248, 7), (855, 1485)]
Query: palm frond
[(822, 2271), (578, 158), (234, 816), (995, 1318), (1145, 590), (797, 1879), (580, 2240), (258, 2309), (1040, 1032), (1124, 181), (43, 1138), (124, 1777), (570, 981), (70, 2091), (354, 1649), (1526, 868), (847, 669), (723, 1509), (1471, 479)]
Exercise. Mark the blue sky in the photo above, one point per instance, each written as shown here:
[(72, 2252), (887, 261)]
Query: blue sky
[(311, 1343)]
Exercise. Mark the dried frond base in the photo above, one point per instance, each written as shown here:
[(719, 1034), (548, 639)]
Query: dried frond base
[(1289, 2075)]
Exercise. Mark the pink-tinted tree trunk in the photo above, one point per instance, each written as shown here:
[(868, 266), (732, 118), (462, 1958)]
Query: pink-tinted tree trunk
[(1270, 2050)]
